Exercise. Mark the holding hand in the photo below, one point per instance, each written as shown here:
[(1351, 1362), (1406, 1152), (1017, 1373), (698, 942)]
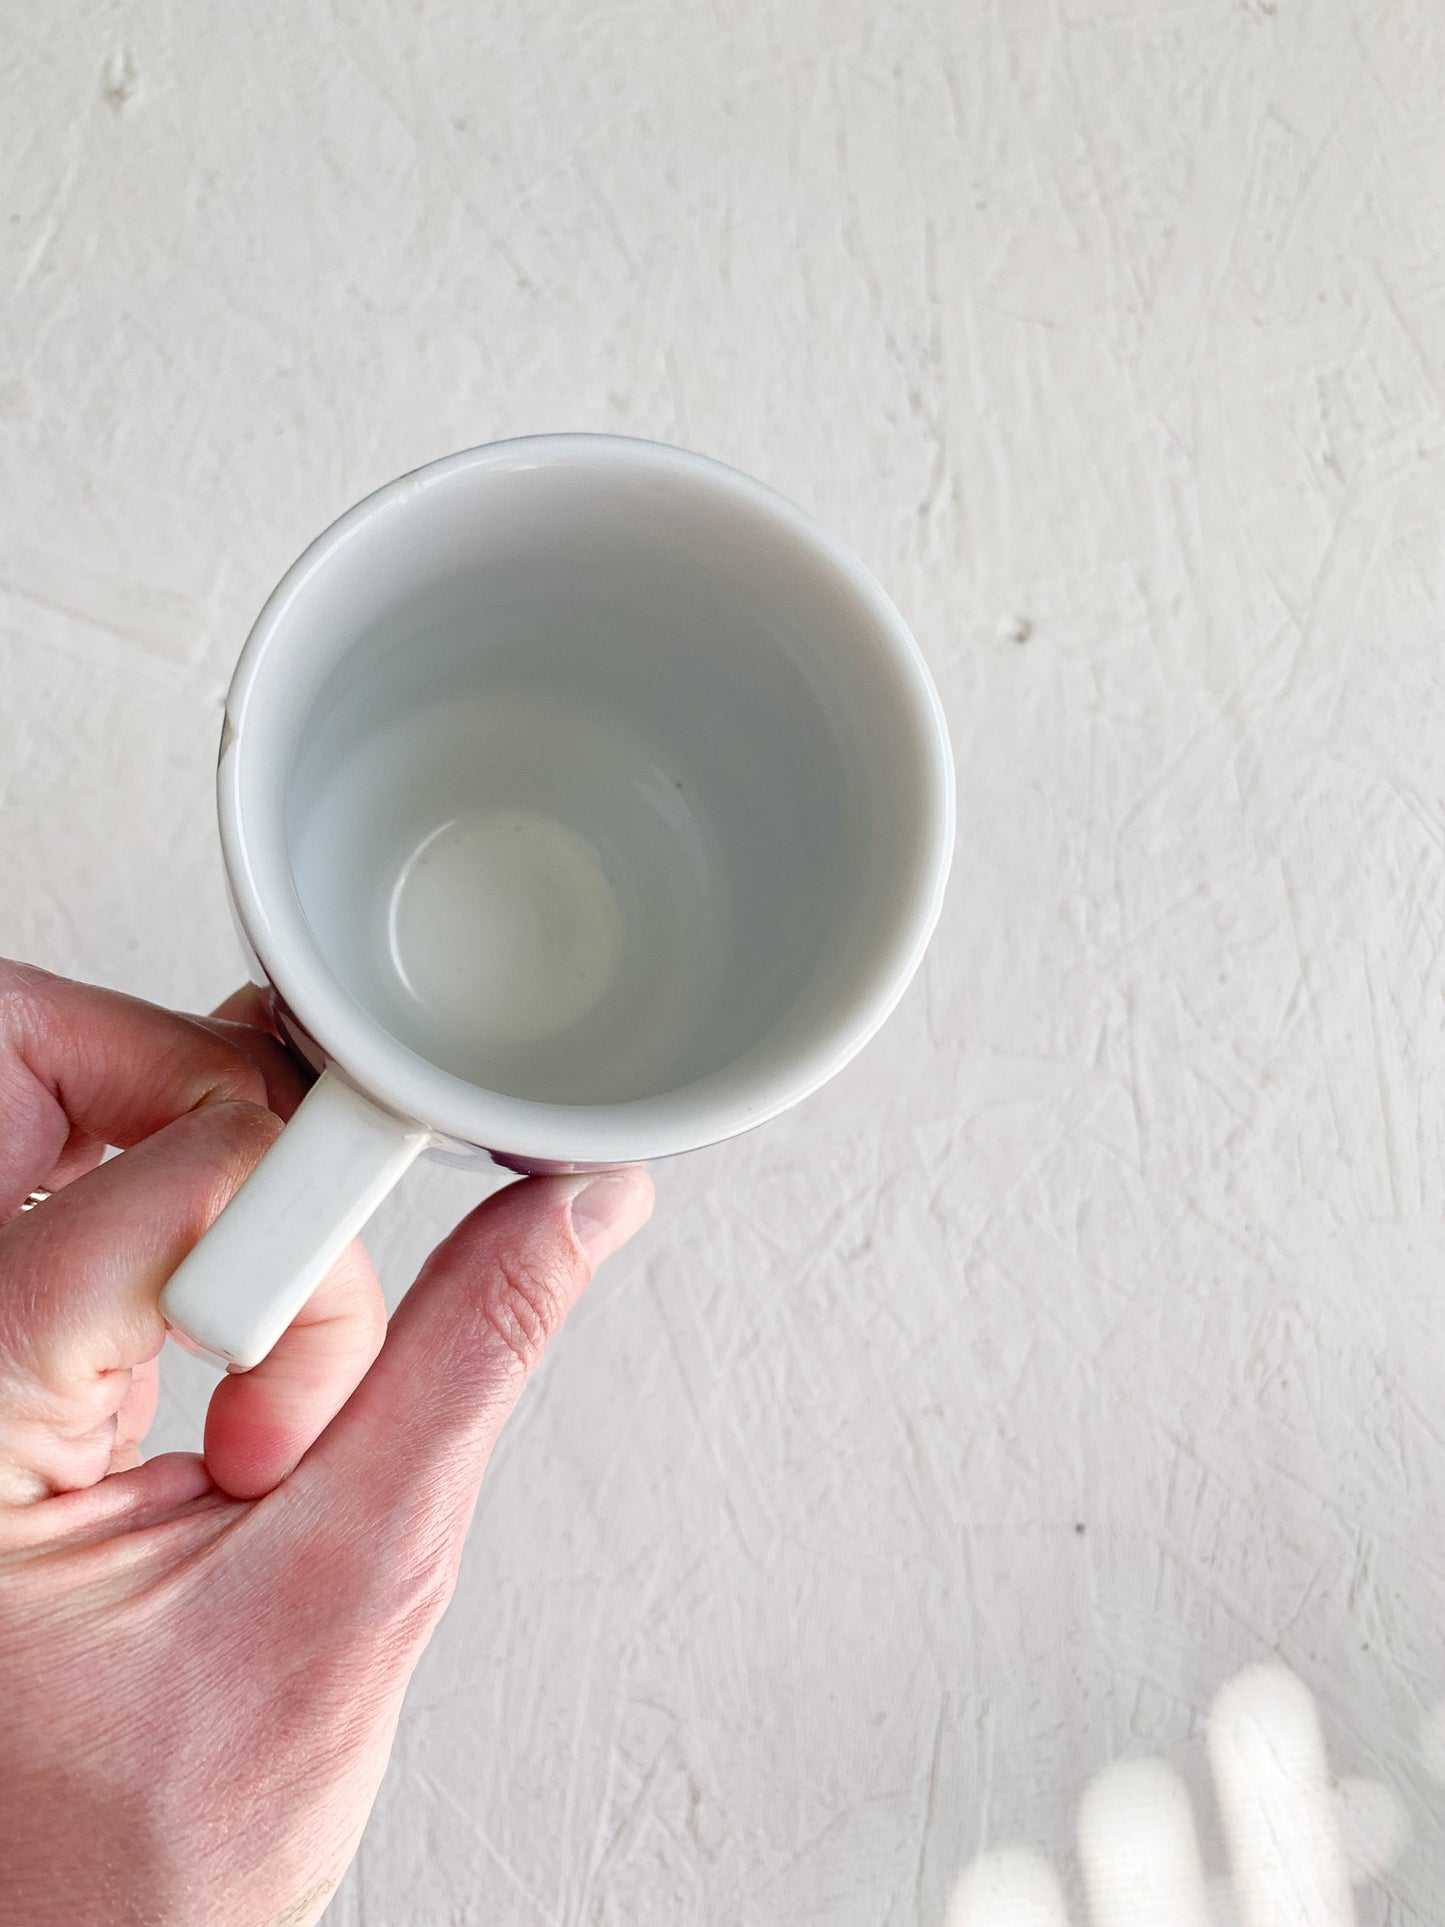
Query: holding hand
[(202, 1659)]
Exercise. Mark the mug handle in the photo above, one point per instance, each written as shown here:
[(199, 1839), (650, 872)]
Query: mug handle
[(268, 1250)]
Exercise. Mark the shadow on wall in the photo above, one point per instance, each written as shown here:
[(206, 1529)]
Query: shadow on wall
[(1297, 1837)]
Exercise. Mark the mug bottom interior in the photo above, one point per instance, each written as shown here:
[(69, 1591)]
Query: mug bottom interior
[(555, 891)]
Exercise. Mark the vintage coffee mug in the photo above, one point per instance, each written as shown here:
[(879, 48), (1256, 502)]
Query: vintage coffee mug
[(582, 801)]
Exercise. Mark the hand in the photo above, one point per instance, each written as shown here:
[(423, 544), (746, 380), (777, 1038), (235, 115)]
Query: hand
[(202, 1659)]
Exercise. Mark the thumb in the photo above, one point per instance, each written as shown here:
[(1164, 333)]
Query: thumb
[(394, 1478)]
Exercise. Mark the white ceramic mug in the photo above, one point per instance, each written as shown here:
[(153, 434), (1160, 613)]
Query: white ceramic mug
[(582, 802)]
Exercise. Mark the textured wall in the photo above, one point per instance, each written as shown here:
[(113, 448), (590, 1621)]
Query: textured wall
[(964, 1432)]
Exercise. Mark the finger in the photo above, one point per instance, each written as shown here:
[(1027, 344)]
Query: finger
[(135, 1414), (81, 1153), (83, 1274), (248, 1005), (395, 1477), (82, 1067), (261, 1422), (287, 1078), (116, 1509), (247, 1019)]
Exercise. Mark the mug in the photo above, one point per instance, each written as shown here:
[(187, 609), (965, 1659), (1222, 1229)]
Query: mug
[(582, 802)]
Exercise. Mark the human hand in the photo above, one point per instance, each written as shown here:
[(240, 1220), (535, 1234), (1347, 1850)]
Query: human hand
[(202, 1659)]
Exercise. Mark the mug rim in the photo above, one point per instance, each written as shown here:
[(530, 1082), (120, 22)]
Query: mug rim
[(706, 1111)]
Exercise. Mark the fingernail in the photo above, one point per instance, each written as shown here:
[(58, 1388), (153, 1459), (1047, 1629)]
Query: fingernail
[(608, 1209)]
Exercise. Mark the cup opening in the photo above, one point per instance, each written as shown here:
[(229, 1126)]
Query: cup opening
[(589, 784)]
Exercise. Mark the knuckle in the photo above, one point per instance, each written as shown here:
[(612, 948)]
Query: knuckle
[(423, 1586), (521, 1303)]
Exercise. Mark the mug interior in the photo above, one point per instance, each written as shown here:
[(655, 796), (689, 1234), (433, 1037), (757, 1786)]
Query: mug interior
[(589, 782)]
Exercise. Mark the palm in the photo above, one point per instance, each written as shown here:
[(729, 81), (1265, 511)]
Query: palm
[(193, 1621)]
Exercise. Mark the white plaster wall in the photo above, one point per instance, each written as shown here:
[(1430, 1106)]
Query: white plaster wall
[(964, 1432)]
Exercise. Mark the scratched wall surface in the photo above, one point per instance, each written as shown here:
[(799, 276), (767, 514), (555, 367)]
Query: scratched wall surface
[(963, 1433)]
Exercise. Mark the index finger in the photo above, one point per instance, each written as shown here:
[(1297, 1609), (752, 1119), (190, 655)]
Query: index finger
[(245, 1019), (79, 1064), (248, 1005)]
